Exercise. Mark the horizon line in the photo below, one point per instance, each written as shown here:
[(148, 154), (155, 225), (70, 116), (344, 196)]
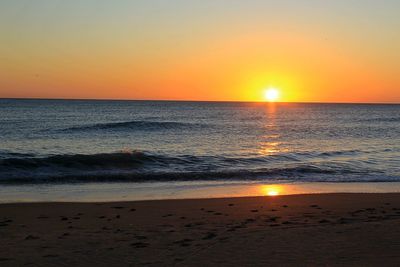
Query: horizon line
[(215, 101)]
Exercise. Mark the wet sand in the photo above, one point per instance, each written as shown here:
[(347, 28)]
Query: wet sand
[(296, 230)]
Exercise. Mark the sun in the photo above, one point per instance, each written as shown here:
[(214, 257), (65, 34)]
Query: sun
[(271, 94)]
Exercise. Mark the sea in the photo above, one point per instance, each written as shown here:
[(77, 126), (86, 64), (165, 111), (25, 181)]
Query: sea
[(128, 146)]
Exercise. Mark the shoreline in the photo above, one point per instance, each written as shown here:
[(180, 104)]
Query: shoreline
[(127, 202), (116, 192), (335, 229)]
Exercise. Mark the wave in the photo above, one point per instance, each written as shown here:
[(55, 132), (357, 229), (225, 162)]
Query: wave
[(382, 119), (133, 125), (132, 159), (300, 174), (137, 166), (6, 154)]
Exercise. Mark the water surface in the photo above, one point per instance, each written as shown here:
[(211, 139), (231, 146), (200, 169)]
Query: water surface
[(69, 141)]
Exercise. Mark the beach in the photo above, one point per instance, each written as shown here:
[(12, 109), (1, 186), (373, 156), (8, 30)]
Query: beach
[(338, 229)]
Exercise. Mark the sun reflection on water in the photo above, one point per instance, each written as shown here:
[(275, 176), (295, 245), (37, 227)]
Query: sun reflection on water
[(269, 148), (270, 142)]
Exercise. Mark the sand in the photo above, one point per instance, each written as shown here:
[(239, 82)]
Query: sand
[(297, 230)]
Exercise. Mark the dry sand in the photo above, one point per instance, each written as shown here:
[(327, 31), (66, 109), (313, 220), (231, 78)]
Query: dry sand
[(297, 230)]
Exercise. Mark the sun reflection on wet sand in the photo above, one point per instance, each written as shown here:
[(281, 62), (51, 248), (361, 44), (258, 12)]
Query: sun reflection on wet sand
[(272, 193), (272, 190)]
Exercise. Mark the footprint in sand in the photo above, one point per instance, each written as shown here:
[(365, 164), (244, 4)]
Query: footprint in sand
[(31, 237), (63, 235), (343, 220), (51, 256), (184, 242), (139, 245), (273, 219), (209, 235)]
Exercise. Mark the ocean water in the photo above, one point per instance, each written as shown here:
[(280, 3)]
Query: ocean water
[(79, 141)]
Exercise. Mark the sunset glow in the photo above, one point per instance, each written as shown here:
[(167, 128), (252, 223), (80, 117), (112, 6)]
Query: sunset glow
[(208, 50)]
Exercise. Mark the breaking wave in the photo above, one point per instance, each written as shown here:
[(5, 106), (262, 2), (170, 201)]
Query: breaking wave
[(137, 166)]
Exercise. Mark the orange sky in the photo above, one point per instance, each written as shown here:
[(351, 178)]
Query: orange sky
[(346, 51)]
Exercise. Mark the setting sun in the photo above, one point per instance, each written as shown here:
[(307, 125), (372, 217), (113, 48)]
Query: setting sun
[(271, 94)]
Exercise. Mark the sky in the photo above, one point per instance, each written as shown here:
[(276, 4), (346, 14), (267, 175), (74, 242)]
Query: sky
[(213, 50)]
